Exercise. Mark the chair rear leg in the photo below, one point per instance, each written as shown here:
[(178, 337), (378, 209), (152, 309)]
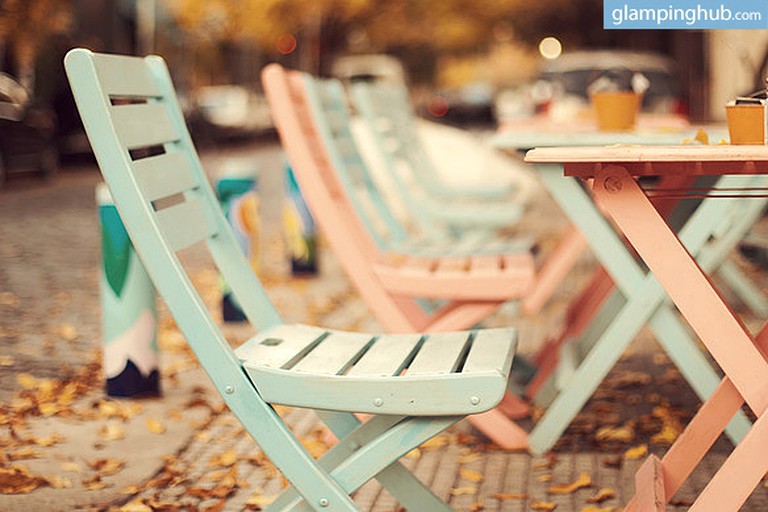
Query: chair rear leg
[(370, 450)]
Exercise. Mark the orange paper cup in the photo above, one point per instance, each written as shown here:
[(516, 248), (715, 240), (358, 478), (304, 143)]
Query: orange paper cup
[(616, 111), (746, 123)]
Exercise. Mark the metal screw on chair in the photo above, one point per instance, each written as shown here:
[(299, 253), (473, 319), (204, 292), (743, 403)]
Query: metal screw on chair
[(612, 184), (229, 390), (378, 402), (475, 400), (323, 502)]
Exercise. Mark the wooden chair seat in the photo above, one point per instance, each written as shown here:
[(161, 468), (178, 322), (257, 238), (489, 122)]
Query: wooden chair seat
[(406, 374), (484, 277)]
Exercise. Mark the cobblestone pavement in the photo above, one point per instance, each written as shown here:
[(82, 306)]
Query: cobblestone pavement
[(50, 328)]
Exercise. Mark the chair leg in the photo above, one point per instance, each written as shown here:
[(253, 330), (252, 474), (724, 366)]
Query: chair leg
[(370, 450), (497, 427), (404, 486)]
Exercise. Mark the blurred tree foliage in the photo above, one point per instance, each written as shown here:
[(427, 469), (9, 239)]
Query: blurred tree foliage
[(25, 25), (443, 25)]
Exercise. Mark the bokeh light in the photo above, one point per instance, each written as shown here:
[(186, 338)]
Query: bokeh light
[(286, 44), (550, 48)]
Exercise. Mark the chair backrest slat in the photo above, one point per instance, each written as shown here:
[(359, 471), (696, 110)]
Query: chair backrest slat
[(185, 224), (125, 78), (163, 194), (143, 125), (164, 175)]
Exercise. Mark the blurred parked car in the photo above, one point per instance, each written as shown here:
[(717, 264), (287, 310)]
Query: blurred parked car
[(368, 68), (27, 133), (564, 82), (472, 104), (230, 112)]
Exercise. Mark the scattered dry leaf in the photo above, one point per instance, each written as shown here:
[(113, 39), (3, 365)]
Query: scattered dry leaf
[(583, 481), (67, 331), (155, 426), (604, 494), (625, 433), (592, 508), (636, 452), (464, 491), (471, 475), (111, 432), (136, 505), (93, 483), (546, 506), (258, 502), (510, 496), (107, 467), (6, 360), (72, 466), (19, 480), (544, 478), (223, 459)]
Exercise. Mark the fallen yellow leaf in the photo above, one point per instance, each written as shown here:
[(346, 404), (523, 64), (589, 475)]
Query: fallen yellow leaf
[(136, 505), (510, 496), (259, 501), (604, 494), (111, 432), (107, 467), (546, 506), (636, 452), (668, 435), (155, 426), (224, 459), (19, 480), (67, 331), (93, 483), (592, 508), (464, 491), (544, 478), (583, 481), (625, 433), (472, 476), (6, 361), (72, 466)]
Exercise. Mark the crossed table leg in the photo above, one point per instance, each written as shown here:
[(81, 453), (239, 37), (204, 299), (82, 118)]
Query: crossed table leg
[(639, 300), (740, 356)]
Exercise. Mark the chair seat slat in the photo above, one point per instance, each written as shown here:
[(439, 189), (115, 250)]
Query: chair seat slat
[(335, 354), (143, 125), (281, 346), (184, 224), (127, 77), (164, 175), (387, 356), (440, 354), (489, 348), (487, 265)]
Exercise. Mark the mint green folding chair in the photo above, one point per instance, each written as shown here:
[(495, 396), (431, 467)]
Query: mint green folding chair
[(425, 235), (430, 211), (414, 385), (388, 115)]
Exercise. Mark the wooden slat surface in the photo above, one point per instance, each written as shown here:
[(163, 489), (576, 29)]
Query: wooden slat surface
[(125, 77), (164, 175), (441, 353), (282, 346), (387, 356), (335, 354), (143, 125), (489, 350), (184, 224)]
